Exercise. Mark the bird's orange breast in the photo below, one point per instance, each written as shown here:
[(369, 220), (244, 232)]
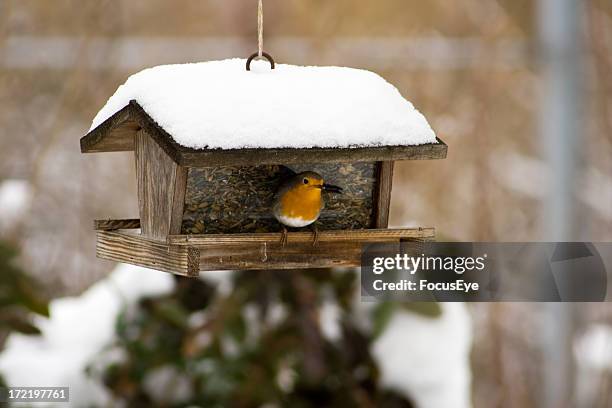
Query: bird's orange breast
[(301, 202)]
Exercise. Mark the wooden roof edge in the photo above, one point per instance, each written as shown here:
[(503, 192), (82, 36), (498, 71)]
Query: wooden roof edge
[(163, 138), (97, 140), (89, 142), (252, 156)]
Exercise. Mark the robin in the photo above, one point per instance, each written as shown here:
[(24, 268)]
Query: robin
[(298, 202)]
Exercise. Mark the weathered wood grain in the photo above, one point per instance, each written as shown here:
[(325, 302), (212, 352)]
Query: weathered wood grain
[(137, 250), (360, 236), (111, 225), (249, 253), (217, 157), (382, 198), (161, 189), (117, 134), (273, 256)]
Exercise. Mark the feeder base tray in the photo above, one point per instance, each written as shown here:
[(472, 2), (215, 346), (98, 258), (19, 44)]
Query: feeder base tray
[(187, 255)]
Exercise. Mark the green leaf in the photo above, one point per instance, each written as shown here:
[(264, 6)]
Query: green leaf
[(31, 300), (426, 309), (172, 312), (21, 326), (16, 287), (7, 253), (381, 315), (237, 328)]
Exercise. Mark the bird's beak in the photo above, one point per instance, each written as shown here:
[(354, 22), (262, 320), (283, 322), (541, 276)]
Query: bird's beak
[(331, 188)]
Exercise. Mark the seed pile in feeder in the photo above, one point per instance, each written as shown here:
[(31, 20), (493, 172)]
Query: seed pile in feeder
[(218, 104), (237, 199)]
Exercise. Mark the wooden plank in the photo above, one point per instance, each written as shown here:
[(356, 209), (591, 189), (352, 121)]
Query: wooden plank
[(189, 260), (366, 235), (161, 189), (178, 200), (117, 134), (156, 132), (137, 250), (111, 225), (382, 198), (273, 256), (217, 157)]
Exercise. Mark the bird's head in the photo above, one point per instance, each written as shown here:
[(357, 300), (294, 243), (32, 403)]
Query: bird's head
[(311, 181)]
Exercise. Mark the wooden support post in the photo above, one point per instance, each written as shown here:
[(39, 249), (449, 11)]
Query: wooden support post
[(382, 198), (161, 189)]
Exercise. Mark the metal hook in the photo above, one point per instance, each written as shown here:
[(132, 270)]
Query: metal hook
[(263, 55)]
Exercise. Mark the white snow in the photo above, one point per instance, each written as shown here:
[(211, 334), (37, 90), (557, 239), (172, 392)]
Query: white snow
[(78, 329), (167, 385), (427, 359), (329, 320), (218, 104), (15, 199), (593, 356), (594, 348)]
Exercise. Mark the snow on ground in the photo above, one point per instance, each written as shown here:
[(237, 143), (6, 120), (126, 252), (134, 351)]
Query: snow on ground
[(78, 329), (218, 104), (15, 198), (428, 359)]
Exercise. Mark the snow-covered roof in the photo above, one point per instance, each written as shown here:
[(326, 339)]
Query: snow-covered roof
[(218, 104)]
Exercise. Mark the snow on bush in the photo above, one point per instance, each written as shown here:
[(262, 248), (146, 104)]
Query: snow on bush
[(428, 359), (15, 199), (78, 329)]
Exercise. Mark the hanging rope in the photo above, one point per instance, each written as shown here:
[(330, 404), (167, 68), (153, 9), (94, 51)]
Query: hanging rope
[(260, 52), (260, 28)]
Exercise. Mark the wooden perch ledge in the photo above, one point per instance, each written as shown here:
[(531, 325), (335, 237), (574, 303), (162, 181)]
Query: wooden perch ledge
[(362, 236), (187, 255)]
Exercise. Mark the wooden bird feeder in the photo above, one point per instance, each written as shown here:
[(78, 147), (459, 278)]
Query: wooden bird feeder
[(210, 209)]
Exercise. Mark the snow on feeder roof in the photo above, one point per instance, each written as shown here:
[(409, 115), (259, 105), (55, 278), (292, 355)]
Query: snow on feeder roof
[(220, 105)]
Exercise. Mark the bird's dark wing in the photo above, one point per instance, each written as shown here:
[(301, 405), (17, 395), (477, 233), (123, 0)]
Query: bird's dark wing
[(285, 173), (284, 176)]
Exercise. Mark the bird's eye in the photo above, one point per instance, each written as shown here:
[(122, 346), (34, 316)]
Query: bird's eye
[(305, 181)]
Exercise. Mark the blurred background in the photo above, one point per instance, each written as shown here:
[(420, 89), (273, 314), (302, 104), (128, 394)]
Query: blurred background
[(520, 90)]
